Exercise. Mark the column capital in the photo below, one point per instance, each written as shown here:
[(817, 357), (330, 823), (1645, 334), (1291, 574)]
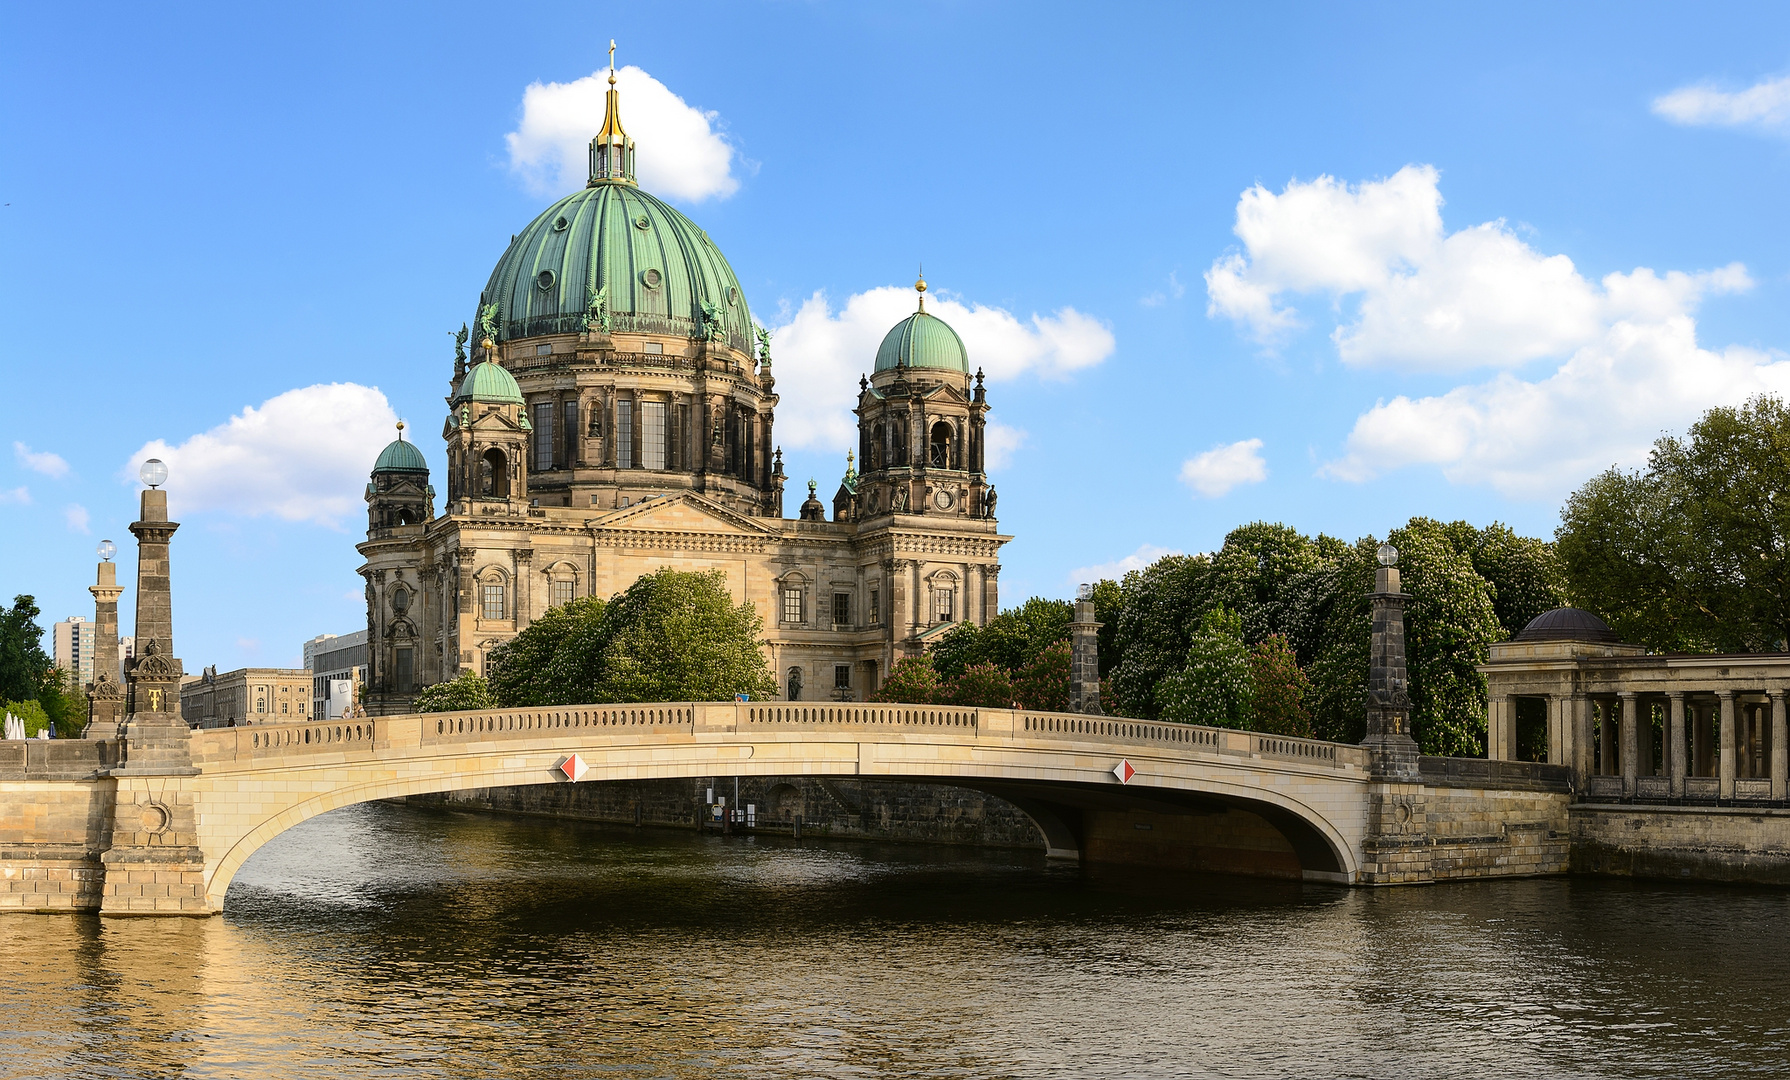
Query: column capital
[(1775, 695), (1675, 695), (1626, 695), (1725, 695)]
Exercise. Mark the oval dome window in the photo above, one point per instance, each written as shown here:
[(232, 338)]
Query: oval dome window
[(560, 225), (650, 278), (642, 223), (544, 280), (733, 296)]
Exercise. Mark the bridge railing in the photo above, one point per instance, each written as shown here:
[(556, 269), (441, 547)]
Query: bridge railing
[(367, 735)]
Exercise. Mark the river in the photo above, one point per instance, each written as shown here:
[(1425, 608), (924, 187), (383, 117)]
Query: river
[(395, 942)]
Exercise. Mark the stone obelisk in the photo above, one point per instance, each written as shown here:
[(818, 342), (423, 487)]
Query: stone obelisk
[(154, 866), (1397, 848), (105, 694)]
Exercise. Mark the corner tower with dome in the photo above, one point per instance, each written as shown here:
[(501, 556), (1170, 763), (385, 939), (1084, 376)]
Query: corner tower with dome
[(615, 415)]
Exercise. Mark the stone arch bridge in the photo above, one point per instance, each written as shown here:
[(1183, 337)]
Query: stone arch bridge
[(80, 829)]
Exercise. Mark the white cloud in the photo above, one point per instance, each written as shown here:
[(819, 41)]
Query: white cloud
[(1118, 568), (51, 465), (1222, 468), (1765, 104), (819, 354), (1002, 442), (18, 495), (77, 517), (1175, 291), (1605, 405), (679, 152), (301, 456)]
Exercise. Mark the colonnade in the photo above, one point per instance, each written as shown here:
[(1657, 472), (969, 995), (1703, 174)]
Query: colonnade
[(1656, 746)]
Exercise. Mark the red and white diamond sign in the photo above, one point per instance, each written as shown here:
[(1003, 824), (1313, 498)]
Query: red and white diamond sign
[(574, 768), (1124, 771)]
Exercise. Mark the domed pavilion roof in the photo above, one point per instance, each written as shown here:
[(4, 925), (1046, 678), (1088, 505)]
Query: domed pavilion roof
[(923, 341), (1567, 624), (489, 383), (400, 456)]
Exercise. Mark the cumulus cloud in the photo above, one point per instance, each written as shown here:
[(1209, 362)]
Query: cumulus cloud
[(51, 465), (1765, 104), (819, 350), (1002, 443), (1223, 468), (19, 495), (1118, 568), (680, 154), (301, 456), (77, 518)]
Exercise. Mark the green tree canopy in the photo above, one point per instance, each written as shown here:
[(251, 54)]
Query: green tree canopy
[(1693, 552), (678, 636), (984, 685), (522, 671), (912, 680), (463, 693), (1214, 686), (1278, 688), (23, 662), (1043, 683)]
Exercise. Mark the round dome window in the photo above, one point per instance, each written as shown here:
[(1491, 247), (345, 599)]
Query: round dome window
[(642, 223), (544, 280), (650, 278), (733, 296), (560, 225)]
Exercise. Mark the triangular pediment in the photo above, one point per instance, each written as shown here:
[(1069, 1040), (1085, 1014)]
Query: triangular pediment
[(950, 393), (684, 512)]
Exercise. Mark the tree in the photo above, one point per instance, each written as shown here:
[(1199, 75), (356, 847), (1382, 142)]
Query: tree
[(465, 692), (912, 680), (522, 671), (32, 714), (1525, 574), (23, 661), (984, 685), (678, 636), (1109, 602), (1278, 688), (1450, 625), (1161, 610), (1692, 553), (1042, 685), (1214, 686)]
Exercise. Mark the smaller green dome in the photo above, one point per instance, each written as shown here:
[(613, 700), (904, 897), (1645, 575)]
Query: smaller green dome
[(400, 456), (923, 341), (490, 383)]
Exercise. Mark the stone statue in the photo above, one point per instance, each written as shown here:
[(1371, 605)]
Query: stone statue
[(899, 503), (596, 303), (988, 500), (714, 326)]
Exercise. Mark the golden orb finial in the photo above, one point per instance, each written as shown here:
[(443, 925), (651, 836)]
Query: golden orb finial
[(400, 430), (920, 287)]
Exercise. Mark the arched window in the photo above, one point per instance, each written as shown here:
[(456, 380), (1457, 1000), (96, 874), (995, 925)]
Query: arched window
[(940, 456), (494, 475), (400, 599)]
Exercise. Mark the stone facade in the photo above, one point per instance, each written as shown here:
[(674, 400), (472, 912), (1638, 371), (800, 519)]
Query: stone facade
[(1684, 843), (246, 696)]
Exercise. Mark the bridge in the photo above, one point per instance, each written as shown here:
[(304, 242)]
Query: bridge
[(82, 830)]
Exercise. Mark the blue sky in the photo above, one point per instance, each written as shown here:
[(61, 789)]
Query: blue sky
[(1327, 265)]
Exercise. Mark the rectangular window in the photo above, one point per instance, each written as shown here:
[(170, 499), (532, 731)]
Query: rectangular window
[(543, 350), (543, 436), (493, 606), (652, 434), (792, 605), (942, 604), (405, 671), (563, 593), (572, 454), (683, 438), (624, 434), (876, 607), (842, 676), (652, 347), (841, 609)]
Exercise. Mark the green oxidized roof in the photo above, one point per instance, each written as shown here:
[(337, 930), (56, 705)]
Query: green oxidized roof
[(925, 341), (488, 382), (657, 267), (400, 456)]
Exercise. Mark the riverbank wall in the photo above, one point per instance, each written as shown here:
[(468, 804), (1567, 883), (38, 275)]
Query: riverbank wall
[(1741, 845)]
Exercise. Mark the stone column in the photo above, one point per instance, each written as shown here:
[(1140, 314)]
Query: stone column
[(1630, 752), (154, 865), (105, 694), (1675, 763), (1559, 738), (1084, 662), (1728, 755), (1583, 748), (1500, 728), (1644, 738), (1780, 753)]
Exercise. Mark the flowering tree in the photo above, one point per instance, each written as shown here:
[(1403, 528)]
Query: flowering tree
[(1278, 688), (1043, 684), (1215, 686), (982, 685), (912, 681)]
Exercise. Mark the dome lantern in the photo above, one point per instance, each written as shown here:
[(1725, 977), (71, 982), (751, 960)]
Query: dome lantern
[(611, 152)]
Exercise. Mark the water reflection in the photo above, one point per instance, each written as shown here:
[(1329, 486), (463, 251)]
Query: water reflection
[(384, 941)]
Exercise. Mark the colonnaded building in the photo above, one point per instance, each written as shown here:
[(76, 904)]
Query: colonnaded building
[(617, 418)]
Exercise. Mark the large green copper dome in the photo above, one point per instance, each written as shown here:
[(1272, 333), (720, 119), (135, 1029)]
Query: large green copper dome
[(923, 341), (658, 270)]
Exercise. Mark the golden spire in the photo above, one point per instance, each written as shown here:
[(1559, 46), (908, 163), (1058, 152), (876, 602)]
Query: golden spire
[(611, 152), (612, 111), (920, 287)]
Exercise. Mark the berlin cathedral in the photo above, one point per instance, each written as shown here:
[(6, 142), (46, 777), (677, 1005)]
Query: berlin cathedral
[(616, 416)]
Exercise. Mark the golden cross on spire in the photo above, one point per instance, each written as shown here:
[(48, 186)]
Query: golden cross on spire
[(611, 61)]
